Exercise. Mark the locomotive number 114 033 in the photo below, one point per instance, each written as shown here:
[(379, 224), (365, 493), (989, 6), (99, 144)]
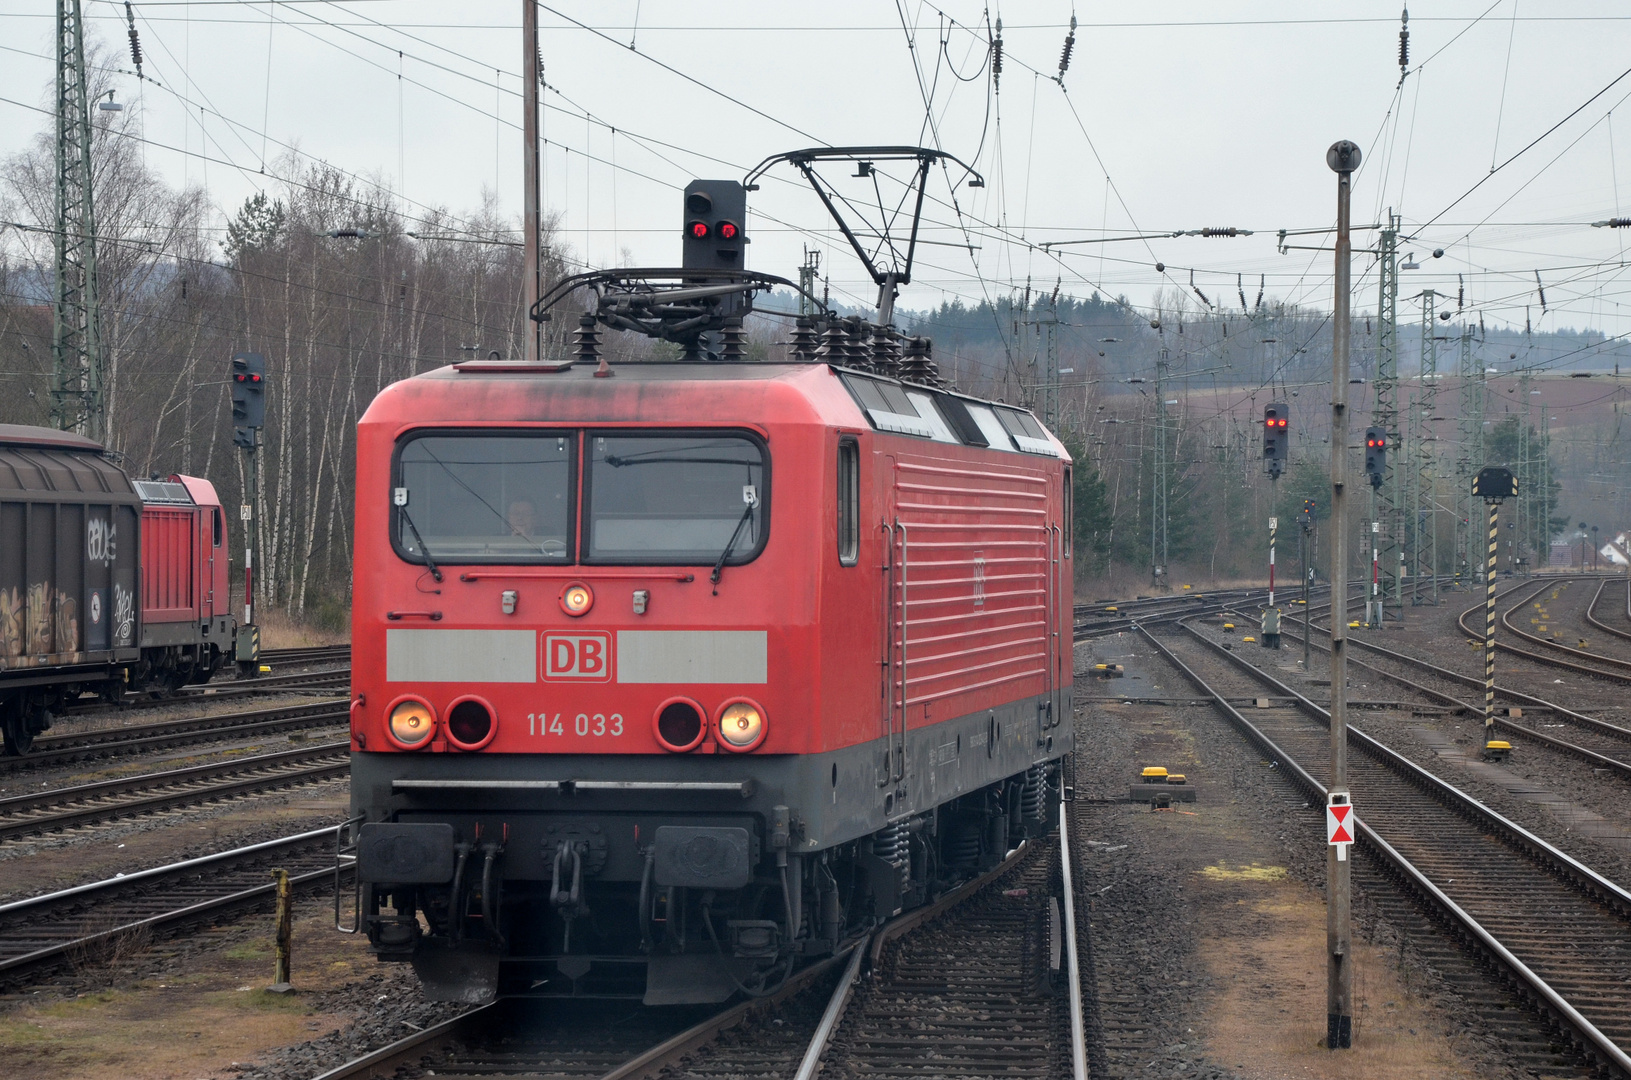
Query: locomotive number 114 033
[(587, 724)]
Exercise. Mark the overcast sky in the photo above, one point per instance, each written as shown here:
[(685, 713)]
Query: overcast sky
[(1172, 116)]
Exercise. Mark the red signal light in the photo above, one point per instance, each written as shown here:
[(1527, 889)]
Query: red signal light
[(728, 230), (254, 378), (698, 230)]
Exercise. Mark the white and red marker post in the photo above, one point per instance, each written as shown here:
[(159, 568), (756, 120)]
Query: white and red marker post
[(1339, 822)]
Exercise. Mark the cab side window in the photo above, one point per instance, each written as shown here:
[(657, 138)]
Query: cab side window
[(215, 525), (849, 502)]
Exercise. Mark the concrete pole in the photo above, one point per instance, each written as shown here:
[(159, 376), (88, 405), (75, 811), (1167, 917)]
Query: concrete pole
[(1343, 157), (1489, 622), (530, 76)]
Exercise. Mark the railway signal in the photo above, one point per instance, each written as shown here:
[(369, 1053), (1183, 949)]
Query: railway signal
[(714, 212), (248, 397), (1492, 484), (1375, 454), (1276, 437), (248, 417)]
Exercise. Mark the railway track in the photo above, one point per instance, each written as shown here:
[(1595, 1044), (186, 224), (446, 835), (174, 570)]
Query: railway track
[(56, 750), (1603, 626), (1552, 929), (146, 793), (939, 991), (106, 919), (1094, 620), (334, 680), (1612, 669), (317, 654), (1599, 743)]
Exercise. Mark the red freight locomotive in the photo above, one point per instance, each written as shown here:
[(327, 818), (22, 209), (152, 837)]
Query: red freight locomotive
[(669, 677), (106, 583)]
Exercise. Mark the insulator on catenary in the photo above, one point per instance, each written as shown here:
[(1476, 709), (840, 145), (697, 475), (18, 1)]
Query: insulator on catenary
[(996, 58), (135, 42), (1540, 288), (1613, 223), (1460, 292), (1240, 287), (1070, 45), (1197, 289), (1261, 283), (1404, 41), (1219, 231)]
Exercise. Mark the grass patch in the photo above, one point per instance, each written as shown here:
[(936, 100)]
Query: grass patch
[(1254, 872), (260, 1000), (249, 950)]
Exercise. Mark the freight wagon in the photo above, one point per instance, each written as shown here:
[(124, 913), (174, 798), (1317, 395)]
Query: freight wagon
[(106, 584)]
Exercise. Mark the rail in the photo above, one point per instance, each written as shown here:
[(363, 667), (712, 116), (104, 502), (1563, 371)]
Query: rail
[(1592, 1040)]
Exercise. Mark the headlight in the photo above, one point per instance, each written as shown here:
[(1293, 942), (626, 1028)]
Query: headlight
[(412, 723), (741, 725), (577, 599), (471, 724)]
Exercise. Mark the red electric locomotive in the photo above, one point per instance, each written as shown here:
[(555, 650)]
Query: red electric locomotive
[(666, 680)]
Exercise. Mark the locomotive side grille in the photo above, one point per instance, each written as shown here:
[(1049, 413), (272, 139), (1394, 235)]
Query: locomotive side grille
[(975, 607)]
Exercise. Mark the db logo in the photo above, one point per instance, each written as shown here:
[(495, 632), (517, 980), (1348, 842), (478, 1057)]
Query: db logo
[(586, 656)]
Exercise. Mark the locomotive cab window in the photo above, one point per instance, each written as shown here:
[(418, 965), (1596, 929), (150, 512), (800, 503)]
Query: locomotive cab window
[(675, 499), (849, 502), (479, 497), (215, 526)]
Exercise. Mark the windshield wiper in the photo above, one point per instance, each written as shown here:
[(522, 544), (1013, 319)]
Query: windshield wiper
[(730, 545), (424, 548)]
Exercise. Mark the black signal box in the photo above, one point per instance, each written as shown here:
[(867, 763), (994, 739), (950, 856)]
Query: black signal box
[(715, 216), (1493, 483)]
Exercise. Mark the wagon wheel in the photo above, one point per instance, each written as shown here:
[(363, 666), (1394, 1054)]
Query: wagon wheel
[(18, 738)]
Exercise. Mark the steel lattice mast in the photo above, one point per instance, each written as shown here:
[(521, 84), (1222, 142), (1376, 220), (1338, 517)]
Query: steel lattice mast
[(78, 372), (1469, 456), (1387, 407), (1424, 557)]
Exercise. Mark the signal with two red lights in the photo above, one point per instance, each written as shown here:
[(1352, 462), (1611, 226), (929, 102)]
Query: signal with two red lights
[(1375, 454), (1276, 437)]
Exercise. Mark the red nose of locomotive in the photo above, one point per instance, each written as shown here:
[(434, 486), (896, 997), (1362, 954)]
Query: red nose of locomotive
[(556, 590)]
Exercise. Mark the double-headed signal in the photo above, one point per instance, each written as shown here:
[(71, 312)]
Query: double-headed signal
[(714, 210), (1276, 437), (248, 396), (1375, 454)]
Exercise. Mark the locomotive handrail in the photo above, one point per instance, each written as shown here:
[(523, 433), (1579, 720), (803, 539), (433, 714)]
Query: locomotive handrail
[(897, 766), (395, 616), (578, 573), (888, 664)]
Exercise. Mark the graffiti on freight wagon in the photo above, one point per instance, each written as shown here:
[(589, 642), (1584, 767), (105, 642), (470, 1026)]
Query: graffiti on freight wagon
[(101, 541), (37, 625)]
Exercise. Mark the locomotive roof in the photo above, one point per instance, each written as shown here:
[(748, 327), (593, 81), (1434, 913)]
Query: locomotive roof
[(807, 392)]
